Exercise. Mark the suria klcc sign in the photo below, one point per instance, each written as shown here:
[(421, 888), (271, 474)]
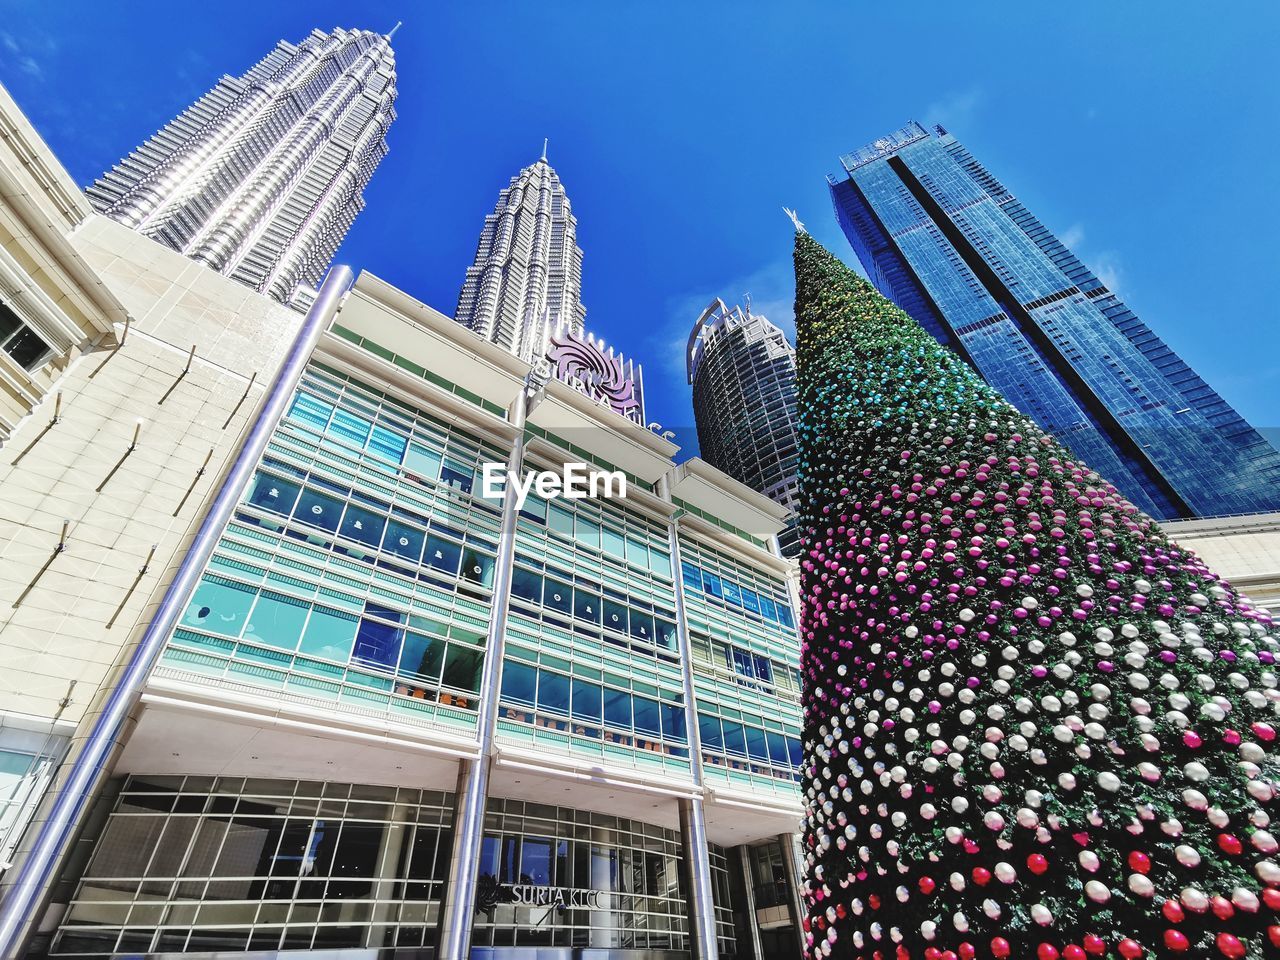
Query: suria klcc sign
[(533, 895), (599, 372)]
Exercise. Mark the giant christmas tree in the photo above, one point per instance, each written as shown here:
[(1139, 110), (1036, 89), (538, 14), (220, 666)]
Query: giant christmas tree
[(1035, 727)]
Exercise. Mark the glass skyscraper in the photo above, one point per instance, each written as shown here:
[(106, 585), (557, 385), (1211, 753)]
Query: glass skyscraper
[(261, 178), (743, 374), (947, 242)]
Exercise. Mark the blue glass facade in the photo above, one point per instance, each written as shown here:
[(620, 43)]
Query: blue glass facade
[(953, 247)]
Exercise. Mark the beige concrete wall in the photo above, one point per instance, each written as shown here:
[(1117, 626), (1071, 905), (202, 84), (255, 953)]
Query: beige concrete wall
[(66, 616), (1242, 550)]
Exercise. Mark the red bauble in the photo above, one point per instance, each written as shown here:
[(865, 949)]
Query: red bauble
[(1139, 862), (1271, 897), (927, 885), (1229, 945), (981, 876), (1094, 944), (1129, 948), (932, 953), (874, 901), (967, 951), (1173, 911), (1037, 863), (1047, 951), (948, 955), (1221, 907), (1073, 952), (1000, 947), (1229, 844), (1176, 941), (1273, 934)]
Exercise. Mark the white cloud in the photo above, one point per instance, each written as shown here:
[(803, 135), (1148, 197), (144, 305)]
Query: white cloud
[(772, 292), (1073, 237), (954, 110), (1106, 264), (19, 52)]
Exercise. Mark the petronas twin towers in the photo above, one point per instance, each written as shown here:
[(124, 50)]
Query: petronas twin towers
[(261, 178)]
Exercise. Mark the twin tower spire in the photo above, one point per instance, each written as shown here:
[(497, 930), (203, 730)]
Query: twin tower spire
[(261, 178)]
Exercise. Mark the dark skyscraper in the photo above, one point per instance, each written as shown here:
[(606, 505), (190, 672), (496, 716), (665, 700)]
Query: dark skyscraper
[(743, 374), (948, 243)]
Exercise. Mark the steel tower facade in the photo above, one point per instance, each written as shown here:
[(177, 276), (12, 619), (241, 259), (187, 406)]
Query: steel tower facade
[(261, 178), (743, 374), (526, 281), (951, 245)]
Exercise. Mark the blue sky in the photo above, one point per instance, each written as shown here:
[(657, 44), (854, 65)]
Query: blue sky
[(1145, 135)]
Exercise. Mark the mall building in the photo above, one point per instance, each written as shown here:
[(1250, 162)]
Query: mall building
[(364, 708)]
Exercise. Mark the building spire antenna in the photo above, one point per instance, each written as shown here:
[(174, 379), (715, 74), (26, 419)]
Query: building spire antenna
[(545, 141), (392, 33)]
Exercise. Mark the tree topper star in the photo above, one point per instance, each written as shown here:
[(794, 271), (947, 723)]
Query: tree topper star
[(795, 220)]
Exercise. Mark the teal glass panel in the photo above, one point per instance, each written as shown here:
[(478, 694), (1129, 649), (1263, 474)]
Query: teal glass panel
[(351, 428), (613, 543), (519, 682), (587, 701), (310, 410), (462, 668), (477, 567), (272, 493), (329, 634), (659, 562), (423, 656), (276, 621), (387, 444), (560, 520), (617, 708), (362, 525), (219, 606), (422, 462), (318, 510), (553, 692), (587, 532), (637, 552)]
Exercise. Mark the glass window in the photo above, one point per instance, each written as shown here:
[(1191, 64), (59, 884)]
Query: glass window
[(741, 664), (795, 752), (423, 656), (557, 595), (272, 493), (586, 605), (26, 347), (535, 508), (613, 543), (665, 634), (637, 552), (784, 615), (329, 634), (351, 428), (277, 620), (403, 540), (477, 567), (387, 443), (731, 593), (735, 739), (519, 682), (709, 732), (617, 708), (220, 606), (559, 519), (442, 554), (647, 718), (363, 525), (711, 584), (311, 410), (777, 748), (756, 744), (422, 463), (763, 668), (553, 692), (615, 615), (767, 609), (536, 860), (587, 700), (378, 644), (673, 726), (587, 532), (318, 510), (526, 585), (659, 562), (691, 576), (750, 600), (457, 475), (462, 667), (641, 626)]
